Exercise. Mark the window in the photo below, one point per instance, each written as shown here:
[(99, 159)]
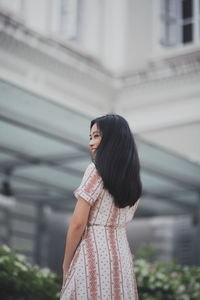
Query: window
[(178, 21), (187, 21), (199, 18), (69, 19), (169, 19)]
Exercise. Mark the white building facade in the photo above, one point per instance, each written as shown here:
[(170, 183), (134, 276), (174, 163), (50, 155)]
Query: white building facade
[(138, 58)]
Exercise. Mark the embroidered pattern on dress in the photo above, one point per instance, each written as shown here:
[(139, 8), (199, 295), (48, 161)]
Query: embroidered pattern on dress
[(91, 183), (92, 267), (114, 255), (134, 286)]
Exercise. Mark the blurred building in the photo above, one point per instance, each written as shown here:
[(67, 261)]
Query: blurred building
[(63, 62)]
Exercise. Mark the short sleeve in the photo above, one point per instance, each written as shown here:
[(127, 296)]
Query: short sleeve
[(91, 185)]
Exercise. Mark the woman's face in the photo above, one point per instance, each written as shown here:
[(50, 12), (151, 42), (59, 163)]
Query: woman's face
[(95, 139)]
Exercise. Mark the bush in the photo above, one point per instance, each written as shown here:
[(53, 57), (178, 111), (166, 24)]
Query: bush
[(155, 280), (165, 280), (20, 280)]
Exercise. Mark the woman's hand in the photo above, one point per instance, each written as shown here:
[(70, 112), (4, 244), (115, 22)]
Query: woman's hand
[(64, 279)]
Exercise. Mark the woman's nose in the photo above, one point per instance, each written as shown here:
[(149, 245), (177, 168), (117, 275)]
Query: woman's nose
[(91, 142)]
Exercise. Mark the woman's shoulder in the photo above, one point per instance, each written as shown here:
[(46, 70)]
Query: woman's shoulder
[(91, 168), (91, 165)]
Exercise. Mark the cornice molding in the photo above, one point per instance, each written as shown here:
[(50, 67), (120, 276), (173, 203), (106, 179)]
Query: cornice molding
[(56, 51), (63, 56)]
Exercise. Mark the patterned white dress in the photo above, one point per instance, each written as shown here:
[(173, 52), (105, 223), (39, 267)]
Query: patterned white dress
[(102, 267)]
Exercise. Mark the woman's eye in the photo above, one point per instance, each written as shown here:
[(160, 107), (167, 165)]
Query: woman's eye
[(95, 136)]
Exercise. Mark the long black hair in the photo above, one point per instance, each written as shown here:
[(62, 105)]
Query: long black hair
[(117, 160)]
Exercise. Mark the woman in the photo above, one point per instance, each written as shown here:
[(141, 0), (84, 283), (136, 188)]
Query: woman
[(98, 263)]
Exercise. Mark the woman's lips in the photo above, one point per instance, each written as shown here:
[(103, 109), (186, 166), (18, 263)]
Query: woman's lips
[(93, 152)]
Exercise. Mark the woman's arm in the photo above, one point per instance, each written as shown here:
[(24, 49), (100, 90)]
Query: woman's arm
[(74, 235), (75, 231)]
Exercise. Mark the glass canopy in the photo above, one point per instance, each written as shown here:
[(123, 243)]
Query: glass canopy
[(43, 154)]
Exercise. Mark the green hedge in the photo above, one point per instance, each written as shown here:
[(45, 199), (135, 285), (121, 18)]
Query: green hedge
[(165, 280), (20, 280), (156, 281)]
